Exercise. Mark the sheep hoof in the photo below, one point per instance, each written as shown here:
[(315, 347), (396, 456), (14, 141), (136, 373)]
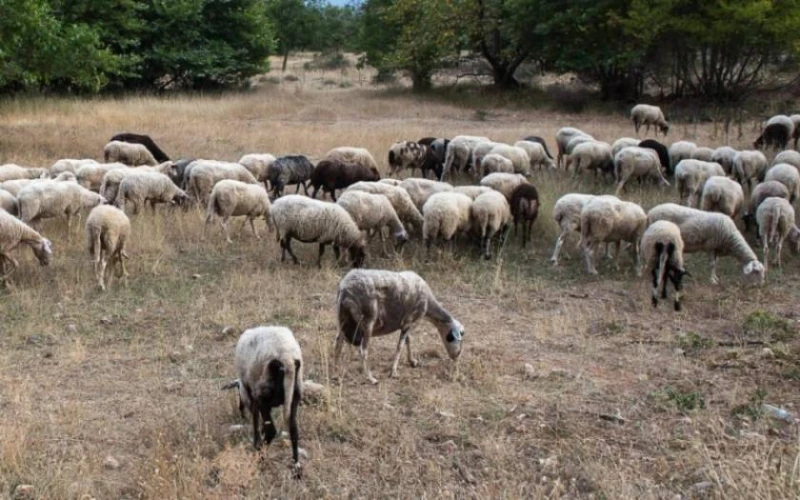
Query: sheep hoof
[(414, 363), (677, 306), (297, 471), (372, 380)]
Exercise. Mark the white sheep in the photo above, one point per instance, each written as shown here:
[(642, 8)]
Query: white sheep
[(8, 202), (713, 233), (231, 198), (372, 303), (373, 212), (622, 143), (789, 156), (691, 175), (496, 163), (69, 165), (724, 155), (309, 220), (109, 186), (518, 156), (107, 232), (350, 155), (634, 162), (567, 216), (608, 220), (646, 114), (702, 154), (14, 232), (787, 175), (257, 164), (472, 191), (129, 153), (15, 186), (776, 223), (574, 143), (479, 151), (491, 214), (43, 200), (204, 174), (537, 154), (459, 153), (749, 166), (760, 193), (445, 214), (724, 195), (592, 156), (563, 136), (91, 175), (401, 201), (422, 189), (11, 171), (390, 181), (662, 250), (142, 187), (503, 182), (680, 150)]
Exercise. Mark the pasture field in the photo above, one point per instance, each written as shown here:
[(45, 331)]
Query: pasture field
[(619, 401)]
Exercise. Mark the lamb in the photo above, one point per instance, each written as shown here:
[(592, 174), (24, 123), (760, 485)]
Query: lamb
[(11, 171), (503, 182), (128, 153), (353, 156), (518, 156), (144, 140), (270, 367), (257, 164), (69, 165), (15, 186), (292, 169), (330, 175), (538, 154), (779, 129), (788, 156), (723, 195), (662, 152), (524, 205), (776, 223), (606, 220), (749, 166), (760, 193), (43, 200), (713, 233), (496, 163), (445, 214), (563, 136), (702, 154), (107, 232), (14, 232), (231, 198), (422, 189), (8, 202), (567, 215), (473, 191), (724, 155), (593, 155), (645, 114), (401, 201), (406, 154), (204, 174), (538, 140), (634, 162), (681, 150), (691, 175), (459, 153), (309, 220), (622, 143), (91, 176), (371, 212), (788, 176), (154, 187), (377, 302), (490, 214), (662, 248)]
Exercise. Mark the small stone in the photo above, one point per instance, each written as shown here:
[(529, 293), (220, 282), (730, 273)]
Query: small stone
[(138, 310), (197, 276), (34, 339), (530, 371), (449, 447), (549, 463), (303, 453), (767, 353), (23, 491), (312, 390), (106, 320), (446, 414), (71, 328), (678, 351), (702, 486), (236, 428), (188, 348), (111, 463)]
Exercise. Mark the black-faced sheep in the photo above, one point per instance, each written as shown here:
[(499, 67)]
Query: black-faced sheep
[(775, 135), (107, 232), (524, 208), (645, 114), (330, 175), (144, 140)]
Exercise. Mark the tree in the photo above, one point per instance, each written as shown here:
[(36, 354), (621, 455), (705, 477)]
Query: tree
[(294, 23)]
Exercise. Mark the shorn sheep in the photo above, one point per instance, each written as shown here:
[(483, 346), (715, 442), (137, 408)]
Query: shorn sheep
[(691, 175), (154, 187), (776, 223), (107, 232), (372, 303), (231, 198), (55, 199), (662, 250), (144, 140), (490, 215), (723, 195), (637, 163), (373, 212), (14, 232), (788, 176), (291, 169), (647, 115), (127, 153), (314, 221), (445, 214), (524, 205), (406, 155), (330, 175), (608, 220)]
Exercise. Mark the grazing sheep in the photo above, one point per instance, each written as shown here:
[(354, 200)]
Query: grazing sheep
[(270, 367), (702, 154), (231, 198), (473, 191), (257, 164), (538, 140), (15, 186), (431, 162), (128, 153), (760, 193), (623, 142), (776, 223), (459, 153), (723, 195), (154, 187), (691, 175), (401, 201), (69, 165), (204, 174), (518, 156), (788, 156), (749, 166), (524, 205), (503, 182), (331, 175), (438, 146), (377, 302), (592, 156), (662, 152), (538, 155), (479, 151), (724, 155), (353, 156), (662, 249), (14, 232), (91, 176), (406, 154), (144, 140), (645, 114), (713, 233), (779, 129), (372, 212), (309, 221), (107, 231), (11, 171), (492, 163), (638, 163), (8, 202), (422, 189), (788, 176), (178, 172), (445, 214), (43, 200), (567, 216), (608, 220), (285, 170), (109, 187), (574, 143), (681, 150), (490, 215), (563, 136)]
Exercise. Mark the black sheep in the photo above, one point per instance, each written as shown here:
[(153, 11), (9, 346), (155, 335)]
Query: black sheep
[(662, 152), (331, 175), (775, 135), (525, 208)]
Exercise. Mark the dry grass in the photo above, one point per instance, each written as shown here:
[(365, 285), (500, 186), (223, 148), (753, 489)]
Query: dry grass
[(135, 373)]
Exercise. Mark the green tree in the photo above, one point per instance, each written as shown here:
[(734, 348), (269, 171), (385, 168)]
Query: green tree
[(294, 23)]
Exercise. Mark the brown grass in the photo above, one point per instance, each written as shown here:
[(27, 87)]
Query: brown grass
[(135, 373)]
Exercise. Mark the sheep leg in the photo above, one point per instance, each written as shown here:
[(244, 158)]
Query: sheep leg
[(557, 250), (396, 358), (256, 428), (778, 248), (224, 224), (337, 351), (363, 350), (637, 266), (286, 243), (676, 282), (321, 252), (765, 246), (588, 254), (413, 362), (714, 277), (305, 188), (253, 227), (268, 427)]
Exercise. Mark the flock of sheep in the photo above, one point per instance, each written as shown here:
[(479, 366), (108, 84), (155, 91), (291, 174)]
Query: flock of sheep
[(716, 188)]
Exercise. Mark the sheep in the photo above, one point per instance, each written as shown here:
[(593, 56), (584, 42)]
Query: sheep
[(308, 220), (796, 122), (178, 172), (43, 200), (567, 216), (257, 164), (623, 142), (563, 136), (378, 302), (788, 156), (110, 183), (391, 182), (538, 140), (760, 193), (691, 175), (371, 212), (270, 367), (518, 156), (459, 153), (645, 114), (572, 144), (354, 156), (15, 186), (634, 162), (724, 195), (594, 155), (606, 220), (496, 163), (702, 154), (204, 174), (11, 171), (8, 202), (14, 232), (662, 250), (330, 175), (144, 140), (503, 182), (445, 214), (91, 176), (231, 198), (749, 166), (724, 155), (710, 232), (662, 152), (788, 176), (538, 155), (401, 201), (292, 169), (406, 154), (524, 205), (479, 151), (779, 129), (69, 165), (681, 150), (473, 191), (154, 187), (128, 153), (107, 232), (422, 189), (438, 145), (431, 162), (776, 223), (490, 213)]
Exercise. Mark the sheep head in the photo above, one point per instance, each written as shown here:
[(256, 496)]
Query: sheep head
[(358, 253), (754, 272), (43, 251), (452, 334)]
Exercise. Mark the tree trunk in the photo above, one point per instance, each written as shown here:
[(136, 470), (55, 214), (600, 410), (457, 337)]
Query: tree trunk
[(285, 60), (421, 81), (504, 78)]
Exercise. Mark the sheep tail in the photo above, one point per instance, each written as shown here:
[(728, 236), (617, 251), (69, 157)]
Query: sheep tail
[(773, 228)]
